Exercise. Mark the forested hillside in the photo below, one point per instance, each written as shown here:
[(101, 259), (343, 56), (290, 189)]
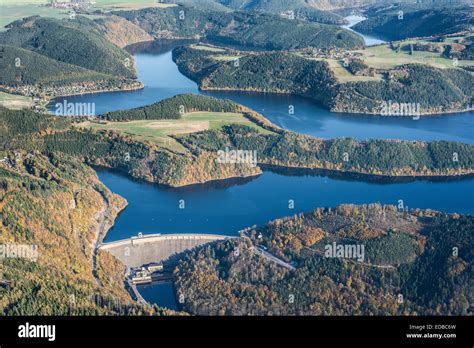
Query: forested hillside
[(379, 157), (115, 29), (63, 41), (23, 67), (55, 204), (47, 134), (431, 90), (403, 253), (173, 108), (243, 29), (270, 72), (416, 23), (301, 9), (199, 162)]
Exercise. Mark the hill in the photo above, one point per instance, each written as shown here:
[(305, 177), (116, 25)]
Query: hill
[(53, 206), (60, 40), (243, 29), (430, 89), (301, 9), (388, 262), (197, 162), (34, 68), (173, 108), (377, 157), (115, 29), (269, 72), (417, 23)]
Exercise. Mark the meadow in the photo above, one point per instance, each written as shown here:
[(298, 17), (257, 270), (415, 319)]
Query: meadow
[(383, 57), (160, 132), (15, 102)]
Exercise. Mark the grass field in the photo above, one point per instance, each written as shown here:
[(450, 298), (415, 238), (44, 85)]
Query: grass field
[(10, 13), (203, 47), (128, 4), (343, 75), (159, 131), (11, 10), (383, 57), (13, 101)]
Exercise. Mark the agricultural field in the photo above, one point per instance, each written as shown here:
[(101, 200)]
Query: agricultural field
[(12, 10), (16, 102), (208, 48), (383, 57), (343, 75), (218, 54), (160, 131), (128, 4)]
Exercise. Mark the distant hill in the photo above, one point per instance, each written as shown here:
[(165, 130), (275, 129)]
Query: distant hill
[(59, 40), (416, 23), (115, 29), (301, 9), (277, 6), (35, 68), (243, 29)]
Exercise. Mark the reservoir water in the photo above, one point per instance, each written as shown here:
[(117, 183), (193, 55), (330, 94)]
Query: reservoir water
[(226, 207), (369, 40), (162, 80)]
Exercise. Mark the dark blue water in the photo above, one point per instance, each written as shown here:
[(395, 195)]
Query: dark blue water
[(162, 80), (225, 209), (161, 293)]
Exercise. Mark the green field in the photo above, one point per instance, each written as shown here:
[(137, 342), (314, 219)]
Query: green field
[(128, 4), (160, 131), (13, 101), (344, 75), (204, 47), (10, 13), (383, 57), (12, 10)]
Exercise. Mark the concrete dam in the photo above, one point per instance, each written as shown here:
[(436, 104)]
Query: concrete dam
[(155, 248)]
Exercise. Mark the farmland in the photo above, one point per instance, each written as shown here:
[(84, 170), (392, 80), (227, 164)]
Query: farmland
[(161, 131)]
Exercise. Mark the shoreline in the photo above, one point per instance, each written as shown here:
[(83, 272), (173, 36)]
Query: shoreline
[(331, 173), (351, 113), (364, 176), (46, 100)]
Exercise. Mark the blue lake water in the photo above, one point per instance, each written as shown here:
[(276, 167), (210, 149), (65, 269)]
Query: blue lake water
[(369, 40), (162, 80), (222, 208)]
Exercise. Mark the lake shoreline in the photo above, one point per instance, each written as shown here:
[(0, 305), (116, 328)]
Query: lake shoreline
[(312, 171), (349, 113)]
